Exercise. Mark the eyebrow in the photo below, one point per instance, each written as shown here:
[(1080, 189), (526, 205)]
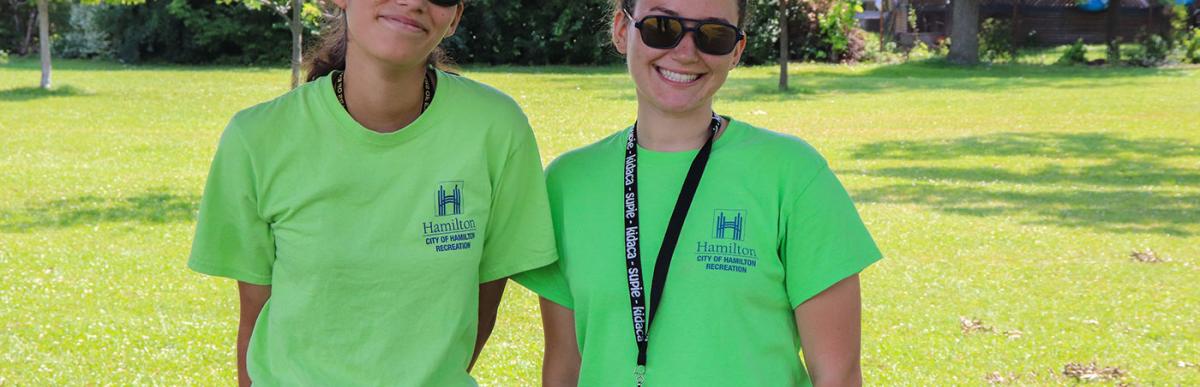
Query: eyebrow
[(676, 14)]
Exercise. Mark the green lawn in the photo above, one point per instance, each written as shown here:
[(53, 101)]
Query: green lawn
[(1009, 194)]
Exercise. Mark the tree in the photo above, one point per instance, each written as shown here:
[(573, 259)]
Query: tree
[(294, 13), (783, 45), (44, 41), (43, 12), (964, 32), (1114, 42)]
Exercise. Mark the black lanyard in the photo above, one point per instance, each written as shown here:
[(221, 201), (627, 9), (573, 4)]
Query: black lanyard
[(426, 95), (633, 254)]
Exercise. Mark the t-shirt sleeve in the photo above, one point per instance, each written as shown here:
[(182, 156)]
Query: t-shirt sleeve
[(825, 240), (519, 233), (549, 282), (232, 239)]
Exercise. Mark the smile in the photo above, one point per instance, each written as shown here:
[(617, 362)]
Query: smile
[(402, 23), (677, 77)]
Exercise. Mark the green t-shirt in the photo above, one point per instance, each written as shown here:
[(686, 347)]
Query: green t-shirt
[(770, 227), (374, 244)]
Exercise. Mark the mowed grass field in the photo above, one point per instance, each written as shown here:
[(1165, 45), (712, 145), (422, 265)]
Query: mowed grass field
[(1012, 195)]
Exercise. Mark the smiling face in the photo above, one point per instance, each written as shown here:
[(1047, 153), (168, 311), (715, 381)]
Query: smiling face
[(681, 79), (398, 32)]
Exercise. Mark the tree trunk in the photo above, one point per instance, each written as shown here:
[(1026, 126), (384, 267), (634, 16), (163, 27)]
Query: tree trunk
[(1114, 42), (964, 32), (297, 40), (883, 35), (1016, 29), (29, 27), (783, 46), (44, 41)]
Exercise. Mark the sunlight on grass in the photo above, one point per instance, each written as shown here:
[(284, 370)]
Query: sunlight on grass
[(1007, 199)]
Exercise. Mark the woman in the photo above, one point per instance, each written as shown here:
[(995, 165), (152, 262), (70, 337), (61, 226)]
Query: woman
[(763, 243), (361, 212)]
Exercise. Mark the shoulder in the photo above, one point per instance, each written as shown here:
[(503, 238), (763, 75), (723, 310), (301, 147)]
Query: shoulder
[(588, 158), (266, 120), (481, 98), (785, 149)]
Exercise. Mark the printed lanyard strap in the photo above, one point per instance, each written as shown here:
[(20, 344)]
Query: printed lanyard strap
[(642, 317)]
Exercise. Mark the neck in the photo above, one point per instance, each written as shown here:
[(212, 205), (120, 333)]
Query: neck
[(383, 98), (674, 132)]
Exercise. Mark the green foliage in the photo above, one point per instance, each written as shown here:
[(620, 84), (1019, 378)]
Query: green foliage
[(197, 31), (1152, 51), (1075, 54), (3, 57), (533, 32), (995, 40), (84, 37), (1191, 47), (837, 26), (818, 30)]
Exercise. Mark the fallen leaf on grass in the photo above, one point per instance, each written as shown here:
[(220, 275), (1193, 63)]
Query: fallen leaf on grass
[(970, 325), (1014, 334), (1148, 256), (1090, 372), (1184, 364)]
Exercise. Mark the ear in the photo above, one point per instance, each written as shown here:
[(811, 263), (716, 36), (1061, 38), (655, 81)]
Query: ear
[(454, 23), (737, 52), (620, 31)]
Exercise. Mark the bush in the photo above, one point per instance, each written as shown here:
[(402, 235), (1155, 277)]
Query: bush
[(1191, 47), (818, 30), (199, 32), (85, 37), (1075, 54), (536, 32), (3, 57), (1153, 51), (995, 40)]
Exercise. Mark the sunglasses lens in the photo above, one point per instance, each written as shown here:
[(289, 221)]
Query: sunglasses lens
[(661, 32), (716, 39), (444, 3)]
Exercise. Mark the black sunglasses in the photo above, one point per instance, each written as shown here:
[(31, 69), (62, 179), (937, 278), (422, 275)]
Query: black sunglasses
[(445, 3), (711, 37)]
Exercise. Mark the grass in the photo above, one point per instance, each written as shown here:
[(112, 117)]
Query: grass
[(1008, 194)]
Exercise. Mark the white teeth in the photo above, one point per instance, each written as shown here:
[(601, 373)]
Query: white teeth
[(677, 77)]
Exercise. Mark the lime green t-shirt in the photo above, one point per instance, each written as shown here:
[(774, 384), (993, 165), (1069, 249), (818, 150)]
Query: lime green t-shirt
[(374, 244), (769, 228)]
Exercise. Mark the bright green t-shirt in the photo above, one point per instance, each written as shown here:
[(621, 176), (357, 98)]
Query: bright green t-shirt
[(769, 228), (374, 244)]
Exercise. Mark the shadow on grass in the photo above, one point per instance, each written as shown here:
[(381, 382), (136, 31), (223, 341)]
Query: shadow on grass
[(150, 207), (31, 93), (1126, 185), (930, 75)]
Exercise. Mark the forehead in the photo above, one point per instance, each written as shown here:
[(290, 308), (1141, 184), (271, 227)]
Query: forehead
[(725, 10)]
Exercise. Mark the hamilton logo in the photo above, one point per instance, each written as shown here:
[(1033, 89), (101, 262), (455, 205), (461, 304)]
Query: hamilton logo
[(449, 198), (729, 224)]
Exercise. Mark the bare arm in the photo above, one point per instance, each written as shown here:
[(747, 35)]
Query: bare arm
[(560, 365), (252, 297), (830, 328), (490, 295)]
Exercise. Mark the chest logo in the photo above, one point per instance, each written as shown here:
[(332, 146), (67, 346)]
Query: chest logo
[(449, 231), (728, 224), (723, 252), (449, 198)]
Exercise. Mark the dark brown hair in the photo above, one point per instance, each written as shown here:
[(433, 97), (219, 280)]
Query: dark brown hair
[(629, 4), (330, 53)]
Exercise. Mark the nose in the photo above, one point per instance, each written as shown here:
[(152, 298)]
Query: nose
[(685, 51)]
